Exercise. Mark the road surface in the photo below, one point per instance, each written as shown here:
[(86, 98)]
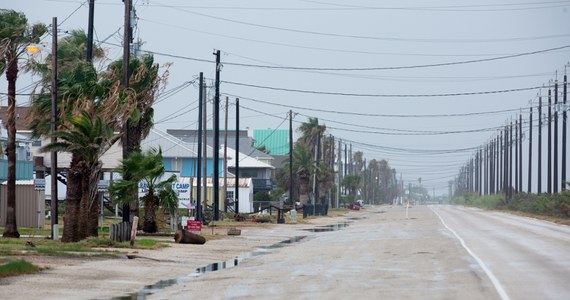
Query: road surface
[(438, 252)]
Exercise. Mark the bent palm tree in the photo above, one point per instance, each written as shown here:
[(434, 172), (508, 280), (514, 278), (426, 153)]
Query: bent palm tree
[(15, 35), (87, 138)]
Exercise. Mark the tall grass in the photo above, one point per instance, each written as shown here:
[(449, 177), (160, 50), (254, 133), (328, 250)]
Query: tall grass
[(17, 267)]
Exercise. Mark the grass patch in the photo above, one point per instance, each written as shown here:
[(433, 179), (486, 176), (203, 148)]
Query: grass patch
[(17, 267)]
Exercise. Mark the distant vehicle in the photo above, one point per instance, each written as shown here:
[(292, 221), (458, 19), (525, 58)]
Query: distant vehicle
[(360, 202)]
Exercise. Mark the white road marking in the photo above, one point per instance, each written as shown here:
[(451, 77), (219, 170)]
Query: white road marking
[(490, 274)]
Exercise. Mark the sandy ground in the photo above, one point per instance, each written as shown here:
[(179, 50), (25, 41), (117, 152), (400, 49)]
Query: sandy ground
[(380, 254)]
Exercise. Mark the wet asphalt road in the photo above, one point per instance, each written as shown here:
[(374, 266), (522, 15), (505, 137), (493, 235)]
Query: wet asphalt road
[(528, 258)]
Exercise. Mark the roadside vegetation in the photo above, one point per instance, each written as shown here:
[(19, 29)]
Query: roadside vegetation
[(10, 267), (554, 207)]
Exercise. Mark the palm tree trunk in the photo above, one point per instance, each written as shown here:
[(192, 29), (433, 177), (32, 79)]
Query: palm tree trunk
[(304, 190), (149, 224), (11, 229), (72, 202), (93, 222)]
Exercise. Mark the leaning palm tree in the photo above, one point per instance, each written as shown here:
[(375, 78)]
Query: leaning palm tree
[(145, 84), (145, 168), (87, 138), (15, 35)]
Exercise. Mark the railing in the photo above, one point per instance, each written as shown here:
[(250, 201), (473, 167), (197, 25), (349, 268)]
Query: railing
[(262, 184)]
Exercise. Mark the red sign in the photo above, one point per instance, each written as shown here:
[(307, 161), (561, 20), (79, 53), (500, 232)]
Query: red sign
[(194, 226)]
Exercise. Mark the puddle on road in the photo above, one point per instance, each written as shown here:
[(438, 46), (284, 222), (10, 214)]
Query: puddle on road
[(213, 267), (327, 228)]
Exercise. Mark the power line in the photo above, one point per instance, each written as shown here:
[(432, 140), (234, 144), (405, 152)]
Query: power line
[(377, 115), (384, 95), (401, 67), (391, 39)]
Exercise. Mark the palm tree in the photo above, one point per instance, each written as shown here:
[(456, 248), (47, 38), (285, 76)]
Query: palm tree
[(311, 131), (87, 138), (15, 35), (145, 84), (146, 168)]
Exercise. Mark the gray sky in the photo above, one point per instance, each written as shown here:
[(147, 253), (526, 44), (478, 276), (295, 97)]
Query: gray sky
[(360, 106)]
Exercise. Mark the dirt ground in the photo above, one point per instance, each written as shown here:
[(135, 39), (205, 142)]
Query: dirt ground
[(80, 277), (380, 253)]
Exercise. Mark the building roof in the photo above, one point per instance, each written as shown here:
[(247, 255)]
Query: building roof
[(274, 140), (245, 142), (172, 146), (246, 161)]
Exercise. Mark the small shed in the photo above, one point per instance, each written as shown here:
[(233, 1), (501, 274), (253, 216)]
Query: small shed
[(30, 204)]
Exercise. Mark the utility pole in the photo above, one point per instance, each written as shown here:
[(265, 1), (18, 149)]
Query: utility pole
[(539, 143), (516, 176), (204, 149), (530, 151), (199, 163), (549, 157), (225, 194), (520, 153), (291, 158), (510, 182), (90, 31), (236, 187), (555, 174), (127, 127), (339, 173), (217, 140), (564, 125), (53, 173), (506, 162)]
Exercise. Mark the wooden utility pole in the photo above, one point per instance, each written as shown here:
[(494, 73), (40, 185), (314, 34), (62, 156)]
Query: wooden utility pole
[(53, 173), (225, 194), (564, 128), (217, 140), (204, 148), (127, 127), (90, 31), (199, 162), (555, 165), (530, 151), (549, 156), (236, 187), (539, 144), (291, 158)]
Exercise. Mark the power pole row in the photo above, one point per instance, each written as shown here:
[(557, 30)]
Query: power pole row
[(497, 167)]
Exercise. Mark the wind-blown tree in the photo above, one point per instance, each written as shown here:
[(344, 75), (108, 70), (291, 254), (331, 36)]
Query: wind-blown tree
[(82, 88), (15, 35), (303, 167), (87, 138), (145, 83), (147, 168), (80, 92), (311, 135)]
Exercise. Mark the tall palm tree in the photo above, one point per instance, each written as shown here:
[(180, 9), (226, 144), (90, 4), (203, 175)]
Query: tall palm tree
[(15, 35), (87, 137), (146, 168), (311, 131), (145, 84)]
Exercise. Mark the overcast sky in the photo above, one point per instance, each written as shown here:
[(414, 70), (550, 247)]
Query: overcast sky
[(374, 72)]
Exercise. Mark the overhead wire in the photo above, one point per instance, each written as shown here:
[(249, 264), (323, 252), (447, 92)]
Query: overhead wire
[(382, 95)]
